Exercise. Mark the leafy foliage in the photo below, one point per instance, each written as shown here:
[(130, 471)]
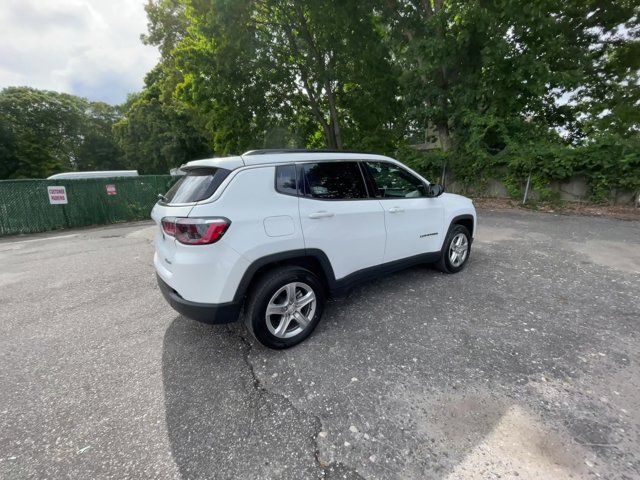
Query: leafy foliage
[(158, 133), (507, 89), (98, 149), (517, 88), (300, 71), (42, 133)]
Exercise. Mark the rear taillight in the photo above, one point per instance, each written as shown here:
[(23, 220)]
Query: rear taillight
[(195, 231), (169, 226)]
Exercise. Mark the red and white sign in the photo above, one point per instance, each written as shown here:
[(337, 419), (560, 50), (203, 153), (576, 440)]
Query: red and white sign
[(57, 195), (111, 189)]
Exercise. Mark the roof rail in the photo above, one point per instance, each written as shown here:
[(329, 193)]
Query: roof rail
[(269, 151)]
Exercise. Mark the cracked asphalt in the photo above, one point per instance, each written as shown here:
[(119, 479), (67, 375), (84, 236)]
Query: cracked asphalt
[(525, 365)]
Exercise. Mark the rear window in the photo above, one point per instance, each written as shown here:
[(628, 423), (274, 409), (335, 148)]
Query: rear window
[(196, 185)]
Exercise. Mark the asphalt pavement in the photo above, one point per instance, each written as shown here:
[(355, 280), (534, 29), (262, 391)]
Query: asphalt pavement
[(524, 365)]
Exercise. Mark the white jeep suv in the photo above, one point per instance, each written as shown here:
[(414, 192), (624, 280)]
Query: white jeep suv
[(279, 231)]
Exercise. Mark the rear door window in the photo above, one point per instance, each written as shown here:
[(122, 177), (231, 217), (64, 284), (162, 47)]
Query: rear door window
[(198, 184), (334, 181)]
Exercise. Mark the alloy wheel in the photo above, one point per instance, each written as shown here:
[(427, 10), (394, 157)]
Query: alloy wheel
[(458, 250), (291, 310)]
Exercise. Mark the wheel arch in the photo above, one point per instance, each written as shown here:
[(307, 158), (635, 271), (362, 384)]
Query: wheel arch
[(465, 220), (314, 260)]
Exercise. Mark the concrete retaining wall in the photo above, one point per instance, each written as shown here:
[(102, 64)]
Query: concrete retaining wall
[(574, 190)]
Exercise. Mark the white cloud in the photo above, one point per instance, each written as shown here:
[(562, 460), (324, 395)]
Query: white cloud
[(90, 48)]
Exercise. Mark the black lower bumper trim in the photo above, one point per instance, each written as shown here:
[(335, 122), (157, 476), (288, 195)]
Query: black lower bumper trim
[(202, 312)]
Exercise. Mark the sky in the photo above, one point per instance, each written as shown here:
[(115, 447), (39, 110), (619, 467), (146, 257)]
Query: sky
[(90, 48)]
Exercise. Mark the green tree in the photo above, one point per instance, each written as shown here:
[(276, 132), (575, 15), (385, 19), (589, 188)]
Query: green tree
[(335, 65), (223, 74), (9, 155), (158, 133), (491, 73), (611, 96), (318, 70), (41, 131), (99, 149)]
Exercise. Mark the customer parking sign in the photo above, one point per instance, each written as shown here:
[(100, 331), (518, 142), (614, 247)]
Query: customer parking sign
[(57, 195)]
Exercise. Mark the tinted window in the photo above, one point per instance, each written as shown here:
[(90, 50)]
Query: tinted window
[(286, 179), (392, 181), (334, 181), (196, 185)]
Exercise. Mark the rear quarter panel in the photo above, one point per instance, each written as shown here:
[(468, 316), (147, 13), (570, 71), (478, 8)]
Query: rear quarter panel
[(263, 221)]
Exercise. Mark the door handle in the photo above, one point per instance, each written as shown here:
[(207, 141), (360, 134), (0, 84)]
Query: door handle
[(396, 210), (322, 214)]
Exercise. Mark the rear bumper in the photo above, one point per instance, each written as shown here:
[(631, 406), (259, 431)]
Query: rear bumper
[(202, 312)]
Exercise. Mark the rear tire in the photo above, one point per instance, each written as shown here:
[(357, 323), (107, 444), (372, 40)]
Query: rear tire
[(456, 250), (285, 306)]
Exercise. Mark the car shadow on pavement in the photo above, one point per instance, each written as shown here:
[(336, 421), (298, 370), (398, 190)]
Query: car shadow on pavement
[(220, 424)]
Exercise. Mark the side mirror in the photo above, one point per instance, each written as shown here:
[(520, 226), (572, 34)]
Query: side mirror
[(434, 190)]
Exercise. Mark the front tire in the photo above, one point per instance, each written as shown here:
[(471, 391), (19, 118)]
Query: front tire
[(285, 306), (456, 250)]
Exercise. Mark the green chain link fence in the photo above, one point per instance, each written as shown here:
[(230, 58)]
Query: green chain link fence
[(25, 205)]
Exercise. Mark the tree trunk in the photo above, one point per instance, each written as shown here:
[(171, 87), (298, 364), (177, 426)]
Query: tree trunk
[(325, 72), (328, 128), (334, 119), (444, 135), (329, 136)]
